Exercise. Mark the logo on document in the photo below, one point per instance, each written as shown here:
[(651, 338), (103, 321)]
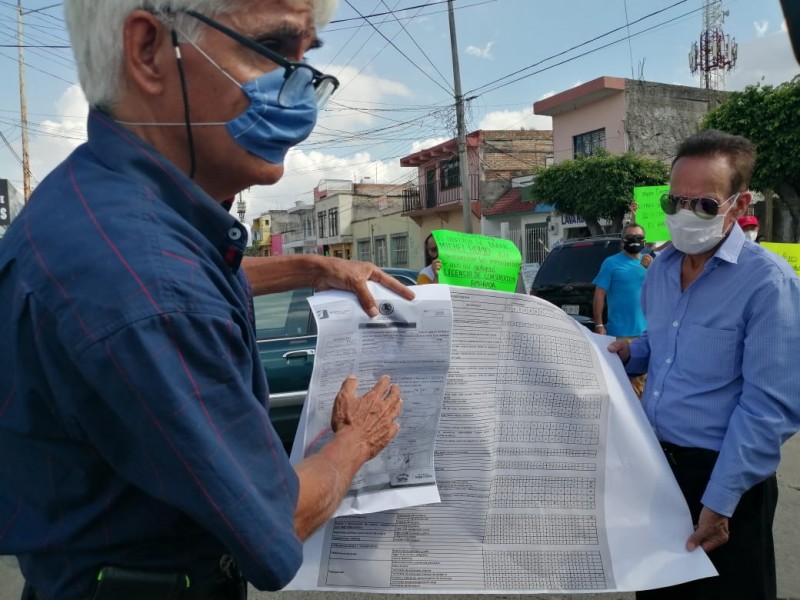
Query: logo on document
[(386, 308)]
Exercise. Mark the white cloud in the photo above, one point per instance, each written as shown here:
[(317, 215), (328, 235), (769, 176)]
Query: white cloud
[(546, 95), (304, 170), (52, 140), (425, 144), (362, 91), (515, 119), (485, 52), (761, 28), (766, 60)]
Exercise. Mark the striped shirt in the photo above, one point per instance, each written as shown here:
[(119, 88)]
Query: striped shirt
[(133, 404), (721, 361)]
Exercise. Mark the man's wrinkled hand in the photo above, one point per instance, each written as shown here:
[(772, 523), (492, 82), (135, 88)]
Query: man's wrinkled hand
[(711, 532), (352, 275), (371, 418)]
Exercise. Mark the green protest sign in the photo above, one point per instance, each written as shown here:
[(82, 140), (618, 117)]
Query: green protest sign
[(478, 261), (649, 214), (791, 252)]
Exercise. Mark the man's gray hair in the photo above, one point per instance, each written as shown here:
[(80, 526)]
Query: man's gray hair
[(95, 29)]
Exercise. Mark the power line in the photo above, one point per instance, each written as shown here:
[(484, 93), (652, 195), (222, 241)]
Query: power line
[(389, 12), (592, 51), (434, 12), (411, 37), (350, 4), (582, 44)]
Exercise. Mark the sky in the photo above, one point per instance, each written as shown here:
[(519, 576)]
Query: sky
[(393, 58)]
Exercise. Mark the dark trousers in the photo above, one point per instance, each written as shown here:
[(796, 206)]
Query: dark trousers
[(746, 563)]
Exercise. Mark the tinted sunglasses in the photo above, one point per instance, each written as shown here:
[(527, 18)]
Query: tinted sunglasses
[(633, 238), (704, 208)]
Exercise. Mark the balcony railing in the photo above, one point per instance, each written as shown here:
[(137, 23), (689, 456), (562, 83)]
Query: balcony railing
[(430, 194), (292, 237)]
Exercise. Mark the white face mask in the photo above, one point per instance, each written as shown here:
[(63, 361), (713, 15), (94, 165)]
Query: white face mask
[(751, 234), (692, 235)]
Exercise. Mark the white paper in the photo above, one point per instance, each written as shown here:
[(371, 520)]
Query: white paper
[(408, 340), (550, 477)]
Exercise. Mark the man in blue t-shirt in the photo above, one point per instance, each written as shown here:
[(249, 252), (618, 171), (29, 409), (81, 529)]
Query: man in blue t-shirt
[(620, 282)]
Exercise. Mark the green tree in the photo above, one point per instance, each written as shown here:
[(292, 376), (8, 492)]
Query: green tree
[(597, 187), (770, 117)]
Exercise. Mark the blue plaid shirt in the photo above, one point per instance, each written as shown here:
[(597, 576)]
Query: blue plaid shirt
[(133, 405), (721, 361)]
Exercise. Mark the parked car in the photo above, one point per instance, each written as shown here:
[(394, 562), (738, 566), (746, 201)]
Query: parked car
[(566, 275), (287, 342)]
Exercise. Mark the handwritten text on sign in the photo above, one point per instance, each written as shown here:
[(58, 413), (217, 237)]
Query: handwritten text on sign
[(477, 261), (649, 213)]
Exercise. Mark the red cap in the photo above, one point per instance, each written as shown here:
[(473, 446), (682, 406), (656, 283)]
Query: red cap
[(747, 221)]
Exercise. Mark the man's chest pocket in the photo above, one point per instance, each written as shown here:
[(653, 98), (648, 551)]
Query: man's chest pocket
[(711, 355)]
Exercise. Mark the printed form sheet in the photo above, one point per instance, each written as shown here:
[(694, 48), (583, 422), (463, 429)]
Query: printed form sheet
[(546, 485), (410, 341)]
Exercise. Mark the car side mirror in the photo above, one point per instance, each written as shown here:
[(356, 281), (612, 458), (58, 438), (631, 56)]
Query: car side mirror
[(791, 10)]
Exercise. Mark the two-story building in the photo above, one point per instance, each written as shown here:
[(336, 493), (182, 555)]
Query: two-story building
[(494, 158), (264, 243), (383, 235), (621, 115), (298, 233), (348, 214)]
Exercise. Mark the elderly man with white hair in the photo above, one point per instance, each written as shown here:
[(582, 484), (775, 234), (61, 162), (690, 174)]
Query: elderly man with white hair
[(137, 459)]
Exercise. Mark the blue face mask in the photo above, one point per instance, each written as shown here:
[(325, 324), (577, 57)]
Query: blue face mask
[(269, 127)]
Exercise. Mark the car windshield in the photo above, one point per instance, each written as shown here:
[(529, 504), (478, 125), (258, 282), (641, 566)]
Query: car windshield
[(575, 263)]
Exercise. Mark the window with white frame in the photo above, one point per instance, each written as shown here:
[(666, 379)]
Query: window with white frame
[(380, 251), (364, 253), (321, 218), (450, 174), (400, 250), (333, 222)]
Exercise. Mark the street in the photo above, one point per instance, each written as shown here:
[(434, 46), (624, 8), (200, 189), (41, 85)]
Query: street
[(787, 540)]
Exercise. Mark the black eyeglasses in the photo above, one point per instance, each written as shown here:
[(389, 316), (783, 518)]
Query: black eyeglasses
[(633, 238), (296, 74), (704, 208)]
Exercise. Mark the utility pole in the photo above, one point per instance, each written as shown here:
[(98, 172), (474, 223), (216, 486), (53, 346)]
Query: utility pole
[(466, 197), (23, 110)]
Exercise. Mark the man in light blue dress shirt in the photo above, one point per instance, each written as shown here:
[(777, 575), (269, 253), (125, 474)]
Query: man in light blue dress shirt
[(722, 392)]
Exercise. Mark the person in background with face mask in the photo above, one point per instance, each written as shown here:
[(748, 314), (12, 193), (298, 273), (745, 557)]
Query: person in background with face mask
[(139, 458), (750, 226), (719, 352), (430, 274), (619, 282)]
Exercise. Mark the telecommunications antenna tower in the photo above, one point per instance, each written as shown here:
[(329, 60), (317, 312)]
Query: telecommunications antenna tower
[(241, 208), (715, 54)]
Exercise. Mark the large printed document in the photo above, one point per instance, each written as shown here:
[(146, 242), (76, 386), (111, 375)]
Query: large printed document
[(550, 477)]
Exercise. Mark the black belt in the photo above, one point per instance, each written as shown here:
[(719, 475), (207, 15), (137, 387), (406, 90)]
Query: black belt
[(115, 583), (684, 455)]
